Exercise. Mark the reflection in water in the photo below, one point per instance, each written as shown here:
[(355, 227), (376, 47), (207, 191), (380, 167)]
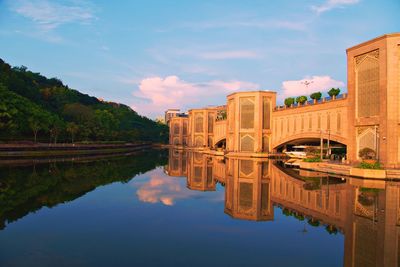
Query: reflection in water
[(27, 188), (162, 189), (366, 212), (247, 193)]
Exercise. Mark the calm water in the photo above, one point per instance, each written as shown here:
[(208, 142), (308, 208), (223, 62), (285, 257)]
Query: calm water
[(172, 208)]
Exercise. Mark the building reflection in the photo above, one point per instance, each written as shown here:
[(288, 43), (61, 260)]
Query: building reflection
[(247, 190), (366, 212), (177, 162), (200, 172)]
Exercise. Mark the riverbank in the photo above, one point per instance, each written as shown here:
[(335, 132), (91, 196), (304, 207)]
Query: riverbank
[(10, 151)]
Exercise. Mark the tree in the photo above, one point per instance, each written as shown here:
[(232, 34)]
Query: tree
[(37, 122), (301, 99), (25, 91), (334, 92), (289, 101), (72, 129), (7, 116), (56, 125), (316, 96), (367, 153), (78, 112), (104, 124)]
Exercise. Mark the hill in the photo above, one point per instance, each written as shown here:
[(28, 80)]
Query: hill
[(33, 107)]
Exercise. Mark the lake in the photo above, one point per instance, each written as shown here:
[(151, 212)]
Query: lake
[(180, 208)]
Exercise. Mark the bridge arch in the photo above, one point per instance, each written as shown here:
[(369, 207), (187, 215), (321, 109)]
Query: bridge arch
[(220, 143), (308, 138)]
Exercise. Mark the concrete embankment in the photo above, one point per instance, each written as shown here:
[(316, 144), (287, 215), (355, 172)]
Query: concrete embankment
[(60, 150), (348, 170)]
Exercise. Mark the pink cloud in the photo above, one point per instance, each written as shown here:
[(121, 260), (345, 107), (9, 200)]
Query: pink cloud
[(316, 84), (163, 189), (173, 92)]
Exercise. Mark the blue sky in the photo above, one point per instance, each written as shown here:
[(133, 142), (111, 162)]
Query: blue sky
[(152, 54)]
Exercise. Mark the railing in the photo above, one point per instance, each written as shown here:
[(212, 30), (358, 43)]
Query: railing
[(312, 102)]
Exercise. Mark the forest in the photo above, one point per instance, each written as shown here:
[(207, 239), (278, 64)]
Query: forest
[(40, 109)]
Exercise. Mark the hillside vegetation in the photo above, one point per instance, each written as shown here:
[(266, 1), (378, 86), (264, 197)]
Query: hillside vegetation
[(33, 107)]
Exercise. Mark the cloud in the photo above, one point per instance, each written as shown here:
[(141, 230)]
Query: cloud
[(331, 4), (163, 189), (234, 54), (160, 188), (248, 23), (317, 83), (172, 92), (48, 15)]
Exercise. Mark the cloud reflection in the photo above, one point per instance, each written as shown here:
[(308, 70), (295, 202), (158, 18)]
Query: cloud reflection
[(164, 189)]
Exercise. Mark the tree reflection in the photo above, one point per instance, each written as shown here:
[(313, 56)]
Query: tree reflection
[(28, 188)]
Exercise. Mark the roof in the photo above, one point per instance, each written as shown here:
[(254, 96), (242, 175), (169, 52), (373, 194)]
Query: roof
[(389, 35)]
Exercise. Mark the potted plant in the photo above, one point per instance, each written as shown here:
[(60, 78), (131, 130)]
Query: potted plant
[(316, 96), (334, 92), (301, 99), (289, 101), (368, 155)]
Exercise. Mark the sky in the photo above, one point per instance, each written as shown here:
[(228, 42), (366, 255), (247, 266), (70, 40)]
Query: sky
[(157, 54)]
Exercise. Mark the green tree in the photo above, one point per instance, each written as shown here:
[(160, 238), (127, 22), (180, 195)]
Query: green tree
[(104, 125), (289, 101), (56, 126), (301, 99), (316, 96), (7, 116), (78, 112), (72, 128), (38, 122), (334, 92), (24, 91)]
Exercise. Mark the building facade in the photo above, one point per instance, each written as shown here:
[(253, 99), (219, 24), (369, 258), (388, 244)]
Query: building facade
[(367, 116), (178, 130)]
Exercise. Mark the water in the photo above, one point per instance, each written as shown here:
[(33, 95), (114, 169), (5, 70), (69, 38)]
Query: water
[(172, 208)]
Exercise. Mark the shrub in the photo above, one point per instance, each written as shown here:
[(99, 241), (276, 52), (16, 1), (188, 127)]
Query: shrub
[(299, 217), (369, 190), (331, 229), (315, 159), (301, 99), (367, 153), (367, 165), (334, 92), (313, 222), (312, 151), (289, 101), (316, 96), (287, 212)]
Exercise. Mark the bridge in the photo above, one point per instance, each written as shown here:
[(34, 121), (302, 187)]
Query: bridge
[(251, 124), (326, 119)]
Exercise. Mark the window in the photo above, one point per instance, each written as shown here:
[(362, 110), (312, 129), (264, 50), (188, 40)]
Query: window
[(198, 123), (266, 113), (247, 113), (184, 128), (210, 123), (367, 84), (176, 129)]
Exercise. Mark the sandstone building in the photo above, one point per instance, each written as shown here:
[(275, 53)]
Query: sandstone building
[(367, 116)]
